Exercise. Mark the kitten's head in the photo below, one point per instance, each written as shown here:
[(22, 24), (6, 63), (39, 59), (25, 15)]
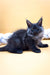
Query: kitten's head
[(34, 29)]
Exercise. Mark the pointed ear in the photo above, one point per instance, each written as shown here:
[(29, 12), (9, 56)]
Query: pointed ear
[(28, 23), (40, 22)]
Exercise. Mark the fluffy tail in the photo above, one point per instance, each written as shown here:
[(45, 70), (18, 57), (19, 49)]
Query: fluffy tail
[(5, 48)]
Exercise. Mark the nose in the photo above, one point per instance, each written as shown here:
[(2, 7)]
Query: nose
[(35, 33)]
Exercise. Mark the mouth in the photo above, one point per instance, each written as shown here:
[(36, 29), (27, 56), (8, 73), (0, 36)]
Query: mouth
[(35, 34)]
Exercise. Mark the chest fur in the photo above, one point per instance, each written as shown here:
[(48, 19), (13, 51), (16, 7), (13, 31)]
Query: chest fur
[(38, 38)]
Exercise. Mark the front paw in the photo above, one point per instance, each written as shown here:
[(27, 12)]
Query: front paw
[(45, 45), (36, 50)]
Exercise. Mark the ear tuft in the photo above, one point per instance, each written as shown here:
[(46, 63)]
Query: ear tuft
[(40, 21), (28, 23)]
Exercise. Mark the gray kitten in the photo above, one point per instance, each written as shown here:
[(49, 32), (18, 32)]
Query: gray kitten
[(26, 39)]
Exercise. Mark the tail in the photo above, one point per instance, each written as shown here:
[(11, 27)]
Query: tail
[(5, 48)]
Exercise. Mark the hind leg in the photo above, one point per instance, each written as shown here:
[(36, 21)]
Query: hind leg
[(18, 50), (11, 48)]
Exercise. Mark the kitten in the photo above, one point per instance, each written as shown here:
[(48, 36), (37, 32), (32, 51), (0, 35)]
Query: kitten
[(26, 39)]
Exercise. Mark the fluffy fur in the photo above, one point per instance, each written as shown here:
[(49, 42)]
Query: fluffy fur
[(26, 39)]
